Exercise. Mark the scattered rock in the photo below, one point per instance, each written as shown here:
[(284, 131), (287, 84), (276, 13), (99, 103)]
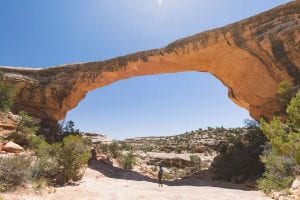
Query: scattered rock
[(276, 195), (12, 148), (13, 117), (296, 183)]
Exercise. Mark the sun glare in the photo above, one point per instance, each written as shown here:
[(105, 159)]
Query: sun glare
[(159, 3)]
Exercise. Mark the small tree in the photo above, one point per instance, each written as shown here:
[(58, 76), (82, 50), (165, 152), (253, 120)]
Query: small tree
[(74, 155), (7, 95), (286, 91), (26, 128), (62, 161), (283, 159), (67, 128)]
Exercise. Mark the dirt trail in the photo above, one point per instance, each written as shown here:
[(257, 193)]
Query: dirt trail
[(101, 182)]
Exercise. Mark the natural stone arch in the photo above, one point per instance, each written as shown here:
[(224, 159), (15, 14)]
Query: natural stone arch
[(250, 57)]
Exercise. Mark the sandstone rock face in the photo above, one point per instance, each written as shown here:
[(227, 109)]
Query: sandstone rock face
[(250, 57), (170, 159), (8, 123)]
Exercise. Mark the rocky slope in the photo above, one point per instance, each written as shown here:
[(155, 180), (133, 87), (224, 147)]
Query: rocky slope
[(197, 141), (250, 57)]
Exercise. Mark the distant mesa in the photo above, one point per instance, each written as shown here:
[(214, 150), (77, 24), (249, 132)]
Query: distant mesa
[(250, 57), (97, 138)]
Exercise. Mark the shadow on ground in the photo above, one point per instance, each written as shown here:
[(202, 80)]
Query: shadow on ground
[(200, 179)]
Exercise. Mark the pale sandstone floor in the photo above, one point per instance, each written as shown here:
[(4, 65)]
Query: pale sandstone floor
[(95, 186)]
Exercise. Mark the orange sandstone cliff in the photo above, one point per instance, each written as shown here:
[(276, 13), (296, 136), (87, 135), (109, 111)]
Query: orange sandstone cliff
[(250, 57)]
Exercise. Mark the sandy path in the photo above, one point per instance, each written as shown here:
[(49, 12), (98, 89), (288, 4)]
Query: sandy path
[(96, 186)]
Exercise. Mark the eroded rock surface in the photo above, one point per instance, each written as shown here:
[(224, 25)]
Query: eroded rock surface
[(250, 57)]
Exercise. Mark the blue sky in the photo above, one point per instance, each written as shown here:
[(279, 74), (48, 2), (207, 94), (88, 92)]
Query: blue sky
[(39, 33)]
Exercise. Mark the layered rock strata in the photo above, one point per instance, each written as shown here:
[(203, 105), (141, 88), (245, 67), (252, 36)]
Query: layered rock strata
[(250, 58)]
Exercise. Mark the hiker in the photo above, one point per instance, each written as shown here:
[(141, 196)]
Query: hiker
[(160, 174), (94, 153)]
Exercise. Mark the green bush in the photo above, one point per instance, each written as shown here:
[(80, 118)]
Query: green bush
[(7, 95), (167, 176), (127, 161), (196, 162), (286, 91), (114, 149), (14, 172), (279, 172), (75, 155), (26, 128), (239, 161), (283, 160), (103, 148), (61, 162)]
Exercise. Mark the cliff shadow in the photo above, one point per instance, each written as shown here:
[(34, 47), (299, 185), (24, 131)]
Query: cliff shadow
[(199, 179)]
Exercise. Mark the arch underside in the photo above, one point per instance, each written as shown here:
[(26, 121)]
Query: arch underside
[(250, 58)]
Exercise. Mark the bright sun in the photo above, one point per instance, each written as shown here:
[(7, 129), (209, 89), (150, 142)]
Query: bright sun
[(159, 2)]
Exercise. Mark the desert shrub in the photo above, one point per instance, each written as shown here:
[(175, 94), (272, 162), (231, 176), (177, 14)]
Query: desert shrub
[(279, 172), (75, 155), (127, 161), (103, 148), (283, 159), (114, 149), (167, 176), (26, 128), (7, 95), (147, 149), (125, 146), (286, 91), (61, 162), (196, 162), (14, 172), (178, 149), (240, 160)]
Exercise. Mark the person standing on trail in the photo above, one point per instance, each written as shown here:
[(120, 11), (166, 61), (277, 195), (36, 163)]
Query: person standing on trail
[(160, 174), (93, 154)]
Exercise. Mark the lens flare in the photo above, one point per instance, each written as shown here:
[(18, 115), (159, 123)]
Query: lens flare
[(159, 3)]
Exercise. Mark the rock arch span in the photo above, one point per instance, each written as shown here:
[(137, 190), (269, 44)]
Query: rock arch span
[(250, 57)]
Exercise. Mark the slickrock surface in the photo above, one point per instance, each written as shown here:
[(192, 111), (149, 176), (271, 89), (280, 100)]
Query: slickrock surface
[(95, 186), (250, 57)]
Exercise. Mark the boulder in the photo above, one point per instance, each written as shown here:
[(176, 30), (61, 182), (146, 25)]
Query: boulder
[(296, 183), (12, 147)]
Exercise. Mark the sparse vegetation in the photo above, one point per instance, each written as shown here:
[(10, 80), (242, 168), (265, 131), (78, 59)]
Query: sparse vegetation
[(240, 160), (128, 160), (196, 162), (7, 95), (26, 128), (61, 162), (114, 149), (14, 172), (282, 159), (286, 91), (67, 128)]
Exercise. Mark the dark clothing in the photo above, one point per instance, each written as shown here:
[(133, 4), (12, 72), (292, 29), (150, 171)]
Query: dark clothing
[(94, 154), (160, 174)]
